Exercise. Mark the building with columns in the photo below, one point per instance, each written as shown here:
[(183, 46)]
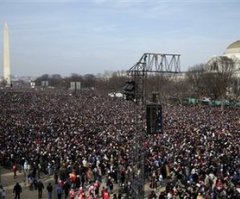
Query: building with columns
[(231, 54)]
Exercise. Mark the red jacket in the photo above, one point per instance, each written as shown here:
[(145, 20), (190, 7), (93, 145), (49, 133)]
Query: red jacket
[(105, 195), (71, 194)]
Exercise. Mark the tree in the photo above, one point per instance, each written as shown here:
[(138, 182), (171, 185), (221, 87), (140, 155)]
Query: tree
[(116, 81), (219, 76), (3, 83), (44, 77), (194, 77), (73, 78), (236, 88), (161, 84), (56, 80), (89, 81)]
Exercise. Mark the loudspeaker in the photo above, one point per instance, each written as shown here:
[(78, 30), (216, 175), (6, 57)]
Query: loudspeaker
[(129, 90), (154, 119)]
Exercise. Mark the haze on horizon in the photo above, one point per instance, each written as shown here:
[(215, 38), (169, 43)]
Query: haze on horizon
[(93, 36)]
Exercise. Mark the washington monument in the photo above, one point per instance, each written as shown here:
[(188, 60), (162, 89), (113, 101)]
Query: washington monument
[(6, 56)]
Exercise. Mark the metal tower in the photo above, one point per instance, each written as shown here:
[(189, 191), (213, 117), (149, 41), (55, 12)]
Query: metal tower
[(148, 63), (152, 63)]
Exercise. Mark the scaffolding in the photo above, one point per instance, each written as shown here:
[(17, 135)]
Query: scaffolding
[(148, 63)]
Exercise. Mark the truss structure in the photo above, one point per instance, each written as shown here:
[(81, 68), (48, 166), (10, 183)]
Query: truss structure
[(157, 62), (148, 63), (152, 63)]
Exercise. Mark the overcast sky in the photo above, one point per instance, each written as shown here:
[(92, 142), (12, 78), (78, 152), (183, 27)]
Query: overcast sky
[(94, 36)]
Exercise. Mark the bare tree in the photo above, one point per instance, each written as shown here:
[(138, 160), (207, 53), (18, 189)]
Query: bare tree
[(194, 76), (44, 77), (116, 81), (219, 76), (236, 88), (89, 81)]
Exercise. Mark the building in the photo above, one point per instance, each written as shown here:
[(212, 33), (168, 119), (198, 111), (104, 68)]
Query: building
[(230, 56), (233, 50)]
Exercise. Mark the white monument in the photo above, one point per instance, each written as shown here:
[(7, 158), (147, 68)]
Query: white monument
[(6, 56)]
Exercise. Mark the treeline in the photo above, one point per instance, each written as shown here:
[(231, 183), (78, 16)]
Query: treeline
[(216, 80), (108, 82)]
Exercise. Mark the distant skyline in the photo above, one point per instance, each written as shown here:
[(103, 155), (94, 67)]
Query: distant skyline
[(94, 36)]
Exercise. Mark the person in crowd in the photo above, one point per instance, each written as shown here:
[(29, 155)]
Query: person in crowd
[(4, 194), (59, 191), (49, 190), (17, 190), (81, 194), (40, 188), (105, 193), (71, 193), (14, 168), (152, 195), (1, 191)]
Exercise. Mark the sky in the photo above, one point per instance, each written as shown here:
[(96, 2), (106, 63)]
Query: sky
[(95, 36)]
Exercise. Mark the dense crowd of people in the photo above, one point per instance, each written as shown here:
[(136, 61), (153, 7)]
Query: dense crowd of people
[(86, 139)]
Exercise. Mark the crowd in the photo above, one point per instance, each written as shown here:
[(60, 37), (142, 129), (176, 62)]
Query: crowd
[(86, 139), (199, 152)]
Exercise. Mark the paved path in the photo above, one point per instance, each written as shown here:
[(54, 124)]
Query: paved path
[(8, 182)]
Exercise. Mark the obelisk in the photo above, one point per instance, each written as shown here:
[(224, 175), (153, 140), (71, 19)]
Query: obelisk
[(6, 56)]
